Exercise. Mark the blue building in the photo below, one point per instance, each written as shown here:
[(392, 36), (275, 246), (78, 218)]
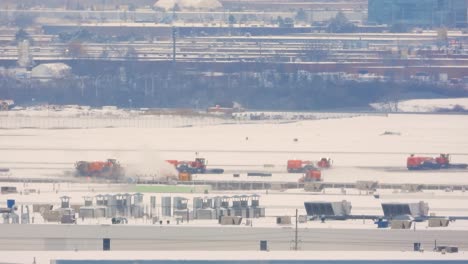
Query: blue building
[(423, 13)]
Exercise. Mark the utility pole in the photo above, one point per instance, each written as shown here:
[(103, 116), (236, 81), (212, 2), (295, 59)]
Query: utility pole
[(295, 235), (174, 44)]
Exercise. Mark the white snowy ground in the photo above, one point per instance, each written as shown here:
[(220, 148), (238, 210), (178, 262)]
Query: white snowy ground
[(357, 145), (423, 105)]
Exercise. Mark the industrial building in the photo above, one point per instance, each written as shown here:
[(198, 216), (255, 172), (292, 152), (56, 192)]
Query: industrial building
[(424, 13)]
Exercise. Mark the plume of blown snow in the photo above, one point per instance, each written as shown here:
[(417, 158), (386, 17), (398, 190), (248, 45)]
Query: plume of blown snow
[(188, 4), (149, 165)]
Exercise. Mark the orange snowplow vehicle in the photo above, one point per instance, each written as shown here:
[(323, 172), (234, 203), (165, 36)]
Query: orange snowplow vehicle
[(311, 174), (324, 163), (429, 163), (197, 166), (300, 166), (109, 169)]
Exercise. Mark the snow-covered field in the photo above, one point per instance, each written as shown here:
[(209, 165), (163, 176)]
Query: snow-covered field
[(424, 105), (85, 117), (358, 147), (369, 147)]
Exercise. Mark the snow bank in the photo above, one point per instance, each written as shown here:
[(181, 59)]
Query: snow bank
[(424, 105), (188, 4)]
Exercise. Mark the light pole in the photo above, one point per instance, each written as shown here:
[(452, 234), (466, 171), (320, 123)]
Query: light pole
[(96, 81), (152, 86), (174, 41), (81, 86)]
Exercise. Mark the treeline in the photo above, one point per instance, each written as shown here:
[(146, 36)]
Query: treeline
[(262, 90)]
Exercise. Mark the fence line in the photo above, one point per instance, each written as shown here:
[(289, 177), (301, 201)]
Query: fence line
[(8, 121), (19, 122)]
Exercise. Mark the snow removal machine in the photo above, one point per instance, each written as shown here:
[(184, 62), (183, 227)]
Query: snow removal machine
[(198, 166), (311, 174), (109, 169), (301, 166), (429, 163), (311, 170)]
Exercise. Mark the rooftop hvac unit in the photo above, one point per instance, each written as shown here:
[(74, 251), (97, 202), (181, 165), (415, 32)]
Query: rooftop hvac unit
[(88, 201), (207, 203), (263, 245), (106, 244), (244, 200), (197, 203), (180, 203), (65, 202), (392, 210), (255, 200), (400, 224), (446, 249), (336, 210), (236, 203), (283, 220), (438, 222), (166, 206)]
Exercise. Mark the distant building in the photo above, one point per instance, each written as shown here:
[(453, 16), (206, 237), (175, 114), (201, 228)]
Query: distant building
[(225, 110), (423, 13), (49, 71), (75, 4), (185, 5)]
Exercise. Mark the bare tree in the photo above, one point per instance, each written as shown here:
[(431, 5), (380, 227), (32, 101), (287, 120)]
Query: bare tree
[(76, 49)]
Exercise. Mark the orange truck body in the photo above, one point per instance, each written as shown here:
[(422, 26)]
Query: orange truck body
[(311, 175), (101, 169), (417, 161), (97, 166), (185, 176), (297, 166), (324, 163), (428, 163), (196, 166)]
